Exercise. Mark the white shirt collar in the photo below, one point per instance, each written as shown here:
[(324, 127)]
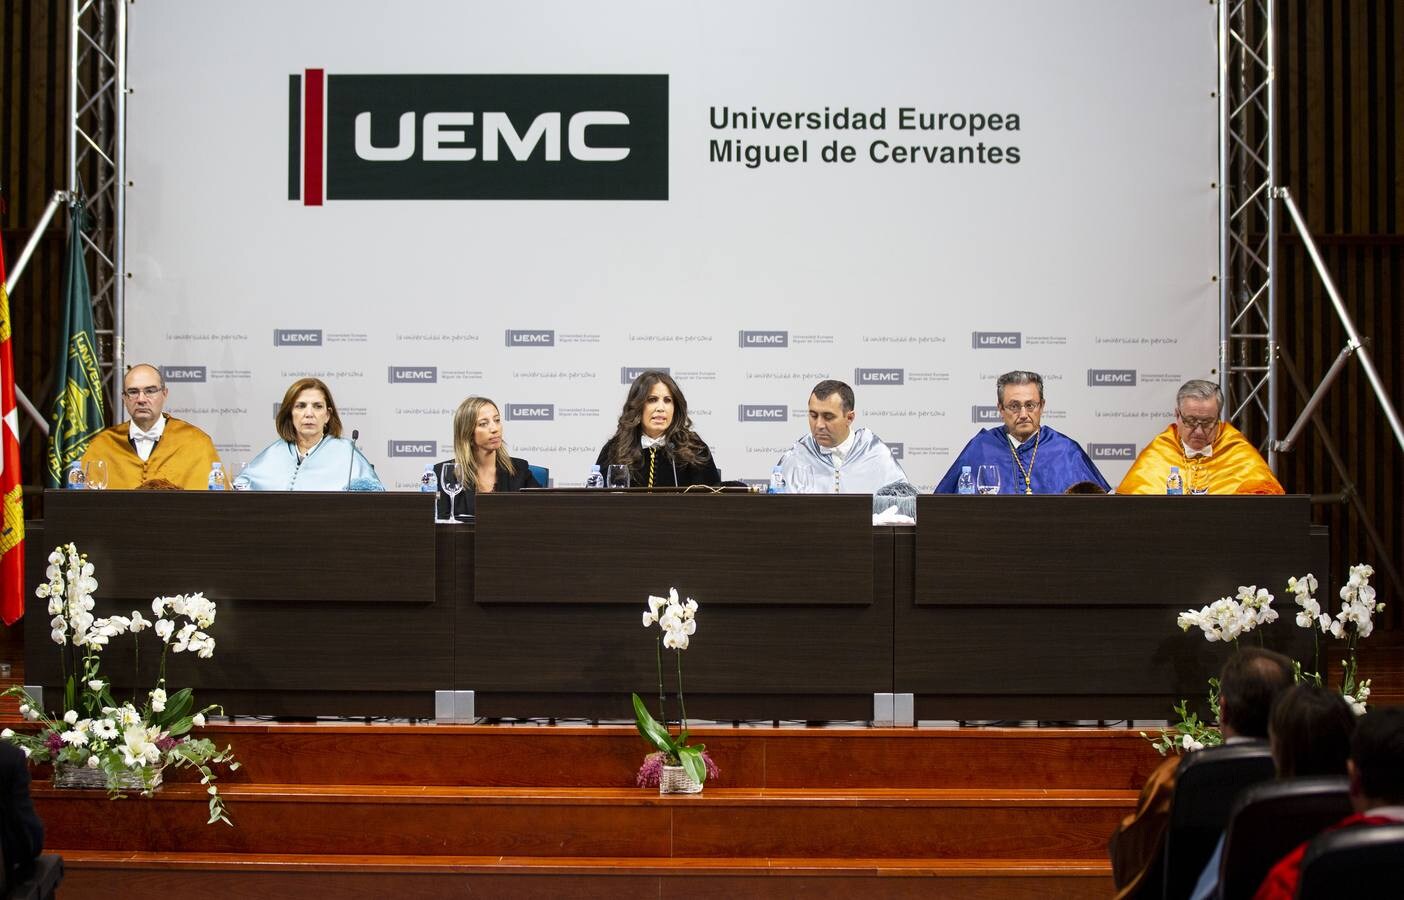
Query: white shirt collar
[(647, 441), (1207, 452), (840, 451), (153, 435), (1015, 442)]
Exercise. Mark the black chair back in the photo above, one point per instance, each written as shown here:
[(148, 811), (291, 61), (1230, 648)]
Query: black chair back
[(1206, 785), (1364, 862), (1269, 820)]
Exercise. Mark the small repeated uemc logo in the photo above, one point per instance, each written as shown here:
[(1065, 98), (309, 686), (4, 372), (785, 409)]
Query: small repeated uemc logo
[(982, 414), (412, 448), (1111, 377), (879, 376), (414, 374), (627, 374), (898, 449), (762, 412), (536, 412), (763, 338), (996, 340), (1112, 451), (183, 373), (531, 337), (297, 337)]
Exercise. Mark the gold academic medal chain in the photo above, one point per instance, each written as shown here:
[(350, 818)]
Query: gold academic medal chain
[(1028, 475)]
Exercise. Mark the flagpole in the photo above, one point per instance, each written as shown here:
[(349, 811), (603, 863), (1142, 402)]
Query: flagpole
[(28, 251)]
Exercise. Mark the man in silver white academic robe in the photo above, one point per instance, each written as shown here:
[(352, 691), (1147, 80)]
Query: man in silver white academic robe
[(835, 457)]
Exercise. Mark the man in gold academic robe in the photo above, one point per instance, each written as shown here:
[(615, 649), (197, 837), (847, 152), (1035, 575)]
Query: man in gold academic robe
[(152, 445), (1213, 457)]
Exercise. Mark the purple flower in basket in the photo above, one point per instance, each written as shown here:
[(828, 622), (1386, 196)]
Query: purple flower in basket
[(54, 741), (651, 772), (166, 743)]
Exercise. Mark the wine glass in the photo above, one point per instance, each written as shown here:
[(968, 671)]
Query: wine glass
[(95, 473), (451, 483), (618, 476), (987, 480)]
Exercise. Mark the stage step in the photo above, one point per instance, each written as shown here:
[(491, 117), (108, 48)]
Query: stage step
[(761, 757), (596, 822), (215, 875)]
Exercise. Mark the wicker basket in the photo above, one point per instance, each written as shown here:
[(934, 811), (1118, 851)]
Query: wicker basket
[(81, 777), (675, 780)]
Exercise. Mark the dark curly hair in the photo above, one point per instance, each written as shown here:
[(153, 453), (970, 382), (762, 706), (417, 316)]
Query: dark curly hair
[(682, 441)]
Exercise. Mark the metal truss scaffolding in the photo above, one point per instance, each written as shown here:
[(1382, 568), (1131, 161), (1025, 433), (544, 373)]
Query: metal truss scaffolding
[(1248, 219), (97, 133)]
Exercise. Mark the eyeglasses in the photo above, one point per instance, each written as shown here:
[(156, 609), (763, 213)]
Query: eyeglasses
[(1013, 407), (133, 393), (1192, 423)]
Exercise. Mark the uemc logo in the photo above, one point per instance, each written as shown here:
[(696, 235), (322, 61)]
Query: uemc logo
[(763, 338), (996, 340), (898, 449), (539, 412), (984, 414), (183, 373), (414, 374), (1112, 451), (531, 337), (477, 137), (1111, 377), (762, 412), (297, 337), (627, 374), (412, 448), (879, 376)]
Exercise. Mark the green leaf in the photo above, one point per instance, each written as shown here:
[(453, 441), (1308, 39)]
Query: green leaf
[(691, 759), (655, 734), (178, 706)]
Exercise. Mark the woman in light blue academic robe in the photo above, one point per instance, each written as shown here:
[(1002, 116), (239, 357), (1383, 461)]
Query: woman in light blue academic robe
[(311, 454)]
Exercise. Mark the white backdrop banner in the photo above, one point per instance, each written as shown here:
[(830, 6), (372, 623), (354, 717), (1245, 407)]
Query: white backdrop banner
[(424, 200)]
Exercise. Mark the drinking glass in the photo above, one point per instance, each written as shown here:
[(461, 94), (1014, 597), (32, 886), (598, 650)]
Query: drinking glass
[(1198, 481), (95, 473), (451, 484), (618, 476), (987, 480), (241, 481), (800, 482)]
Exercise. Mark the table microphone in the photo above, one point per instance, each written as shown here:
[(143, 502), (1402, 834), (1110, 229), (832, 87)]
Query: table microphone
[(350, 466)]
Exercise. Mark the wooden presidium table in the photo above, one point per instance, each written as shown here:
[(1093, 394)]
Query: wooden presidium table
[(991, 607)]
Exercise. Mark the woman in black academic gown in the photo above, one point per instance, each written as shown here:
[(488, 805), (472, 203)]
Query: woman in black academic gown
[(655, 438), (484, 465)]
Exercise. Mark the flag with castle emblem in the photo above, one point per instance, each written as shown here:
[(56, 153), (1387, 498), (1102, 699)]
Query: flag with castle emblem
[(12, 538), (78, 408)]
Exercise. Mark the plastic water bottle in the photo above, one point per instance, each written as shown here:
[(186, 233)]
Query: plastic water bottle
[(1175, 484), (429, 482), (595, 479), (216, 479), (777, 481), (966, 483), (75, 477)]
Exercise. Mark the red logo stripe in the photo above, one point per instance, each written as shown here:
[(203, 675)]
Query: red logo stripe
[(313, 135)]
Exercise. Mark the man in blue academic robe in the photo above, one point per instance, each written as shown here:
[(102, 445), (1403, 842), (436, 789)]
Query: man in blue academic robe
[(1031, 458)]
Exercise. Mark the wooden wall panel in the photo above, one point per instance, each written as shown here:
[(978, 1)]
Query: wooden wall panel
[(1341, 92)]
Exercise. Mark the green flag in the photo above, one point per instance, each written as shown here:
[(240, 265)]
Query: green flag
[(78, 407)]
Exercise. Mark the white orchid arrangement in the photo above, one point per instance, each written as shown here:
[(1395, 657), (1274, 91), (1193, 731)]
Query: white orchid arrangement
[(1227, 619), (677, 623), (1354, 622), (95, 731)]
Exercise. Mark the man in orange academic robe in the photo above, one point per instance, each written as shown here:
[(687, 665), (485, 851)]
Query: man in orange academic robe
[(152, 445), (1213, 457)]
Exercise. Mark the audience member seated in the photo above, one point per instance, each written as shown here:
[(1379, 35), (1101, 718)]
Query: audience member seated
[(21, 832), (1309, 733), (310, 453), (1376, 770), (1248, 684), (480, 452)]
